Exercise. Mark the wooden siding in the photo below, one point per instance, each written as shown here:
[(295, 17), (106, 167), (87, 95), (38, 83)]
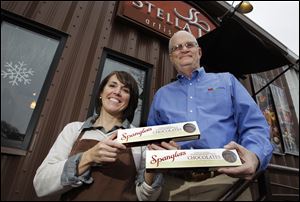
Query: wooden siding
[(91, 26)]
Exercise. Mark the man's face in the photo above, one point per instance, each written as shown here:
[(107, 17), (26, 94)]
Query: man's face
[(185, 54)]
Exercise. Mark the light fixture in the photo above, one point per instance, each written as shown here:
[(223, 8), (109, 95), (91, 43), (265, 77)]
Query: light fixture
[(32, 104), (243, 7)]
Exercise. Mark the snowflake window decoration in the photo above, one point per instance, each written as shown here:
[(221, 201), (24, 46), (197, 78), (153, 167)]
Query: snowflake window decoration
[(17, 73)]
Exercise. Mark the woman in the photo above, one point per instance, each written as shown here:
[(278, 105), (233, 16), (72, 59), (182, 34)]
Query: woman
[(86, 163)]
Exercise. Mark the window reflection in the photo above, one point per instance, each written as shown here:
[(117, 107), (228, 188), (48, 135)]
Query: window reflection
[(26, 57)]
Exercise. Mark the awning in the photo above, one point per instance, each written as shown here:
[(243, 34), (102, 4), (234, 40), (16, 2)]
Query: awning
[(233, 48)]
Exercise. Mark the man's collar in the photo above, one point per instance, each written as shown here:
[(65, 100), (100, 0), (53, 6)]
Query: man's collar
[(195, 73)]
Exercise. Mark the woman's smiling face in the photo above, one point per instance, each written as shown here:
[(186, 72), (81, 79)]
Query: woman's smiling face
[(115, 97)]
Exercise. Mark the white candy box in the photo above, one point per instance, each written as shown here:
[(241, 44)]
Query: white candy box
[(144, 135), (192, 158)]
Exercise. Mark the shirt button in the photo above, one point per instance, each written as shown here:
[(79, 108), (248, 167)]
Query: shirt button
[(191, 84), (191, 97), (191, 111)]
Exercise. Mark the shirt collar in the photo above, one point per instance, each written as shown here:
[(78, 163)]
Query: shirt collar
[(88, 124), (197, 73)]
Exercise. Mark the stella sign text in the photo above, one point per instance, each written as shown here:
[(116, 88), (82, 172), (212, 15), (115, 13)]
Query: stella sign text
[(166, 17)]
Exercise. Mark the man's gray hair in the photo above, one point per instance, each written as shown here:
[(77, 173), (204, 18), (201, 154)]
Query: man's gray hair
[(180, 32)]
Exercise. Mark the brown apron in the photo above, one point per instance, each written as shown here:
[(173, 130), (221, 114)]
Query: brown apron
[(112, 182)]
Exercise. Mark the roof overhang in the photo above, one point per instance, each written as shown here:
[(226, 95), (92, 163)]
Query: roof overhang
[(218, 8)]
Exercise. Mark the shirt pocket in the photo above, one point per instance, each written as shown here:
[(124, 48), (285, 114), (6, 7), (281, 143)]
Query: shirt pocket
[(214, 100)]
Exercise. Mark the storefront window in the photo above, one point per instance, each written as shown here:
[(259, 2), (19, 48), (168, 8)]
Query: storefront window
[(285, 120), (266, 104), (292, 78), (272, 101), (26, 58)]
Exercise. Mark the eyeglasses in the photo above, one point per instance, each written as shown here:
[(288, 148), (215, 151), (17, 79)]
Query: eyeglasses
[(188, 45)]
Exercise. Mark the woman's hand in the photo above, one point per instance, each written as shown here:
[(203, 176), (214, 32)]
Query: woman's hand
[(103, 152)]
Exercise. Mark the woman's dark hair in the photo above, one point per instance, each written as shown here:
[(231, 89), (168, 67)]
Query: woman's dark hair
[(129, 82)]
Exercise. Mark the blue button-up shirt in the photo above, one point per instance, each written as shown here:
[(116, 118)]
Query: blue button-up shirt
[(222, 107)]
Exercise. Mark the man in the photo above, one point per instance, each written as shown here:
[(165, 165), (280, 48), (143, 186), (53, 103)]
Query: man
[(226, 115)]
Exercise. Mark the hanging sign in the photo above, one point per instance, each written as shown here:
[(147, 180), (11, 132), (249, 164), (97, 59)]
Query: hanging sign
[(166, 17)]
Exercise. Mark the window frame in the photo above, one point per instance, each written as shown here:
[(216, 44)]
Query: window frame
[(21, 147), (130, 61)]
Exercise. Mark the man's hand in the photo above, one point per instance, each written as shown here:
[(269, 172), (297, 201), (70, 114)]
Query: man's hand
[(164, 146), (250, 163)]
